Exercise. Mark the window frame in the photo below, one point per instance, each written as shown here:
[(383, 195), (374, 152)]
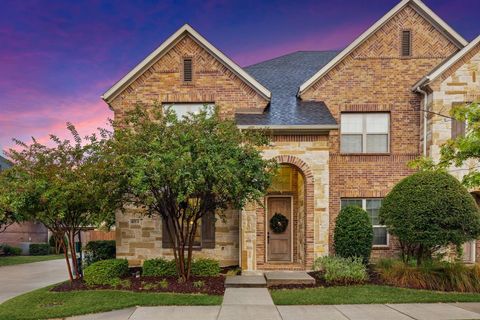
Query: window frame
[(364, 207), (364, 133)]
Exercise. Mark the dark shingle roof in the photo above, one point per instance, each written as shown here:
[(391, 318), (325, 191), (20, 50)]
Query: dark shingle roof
[(283, 76), (4, 163)]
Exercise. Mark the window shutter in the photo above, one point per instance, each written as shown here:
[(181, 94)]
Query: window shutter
[(187, 70), (166, 242), (406, 49), (458, 128), (208, 230)]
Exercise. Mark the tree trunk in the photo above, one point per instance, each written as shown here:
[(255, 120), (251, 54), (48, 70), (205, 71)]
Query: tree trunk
[(65, 252)]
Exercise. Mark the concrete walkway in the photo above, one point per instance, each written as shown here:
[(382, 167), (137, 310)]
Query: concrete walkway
[(22, 278)]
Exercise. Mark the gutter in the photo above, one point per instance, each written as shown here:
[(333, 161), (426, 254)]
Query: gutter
[(292, 129), (425, 116)]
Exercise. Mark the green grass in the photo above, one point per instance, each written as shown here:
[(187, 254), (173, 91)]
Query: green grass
[(366, 294), (12, 260), (43, 304)]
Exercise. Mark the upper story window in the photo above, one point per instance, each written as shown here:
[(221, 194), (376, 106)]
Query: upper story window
[(458, 128), (187, 70), (365, 132), (183, 109), (406, 43)]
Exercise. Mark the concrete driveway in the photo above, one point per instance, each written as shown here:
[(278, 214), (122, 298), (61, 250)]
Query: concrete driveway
[(22, 278)]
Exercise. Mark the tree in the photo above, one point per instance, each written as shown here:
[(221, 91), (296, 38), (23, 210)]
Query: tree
[(353, 234), (427, 211), (66, 187), (184, 169)]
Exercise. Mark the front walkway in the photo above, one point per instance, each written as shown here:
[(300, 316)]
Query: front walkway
[(256, 303), (22, 278)]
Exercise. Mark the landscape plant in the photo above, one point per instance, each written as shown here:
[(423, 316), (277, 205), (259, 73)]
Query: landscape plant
[(339, 270), (99, 250), (106, 272)]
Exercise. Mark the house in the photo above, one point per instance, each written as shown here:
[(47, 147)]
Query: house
[(345, 124), (22, 234)]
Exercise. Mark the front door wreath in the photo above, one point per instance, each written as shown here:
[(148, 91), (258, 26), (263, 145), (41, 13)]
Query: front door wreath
[(278, 223)]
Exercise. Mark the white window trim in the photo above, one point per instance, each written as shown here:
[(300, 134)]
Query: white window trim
[(365, 133), (364, 207)]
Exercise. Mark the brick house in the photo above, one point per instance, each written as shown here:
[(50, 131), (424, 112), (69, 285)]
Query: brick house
[(344, 124)]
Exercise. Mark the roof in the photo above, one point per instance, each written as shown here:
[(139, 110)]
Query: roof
[(282, 76), (447, 64), (419, 6), (4, 163), (146, 63)]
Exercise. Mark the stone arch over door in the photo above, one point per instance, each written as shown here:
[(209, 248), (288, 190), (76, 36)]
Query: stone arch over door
[(308, 179)]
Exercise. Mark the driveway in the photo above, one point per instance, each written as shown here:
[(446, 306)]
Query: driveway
[(22, 278)]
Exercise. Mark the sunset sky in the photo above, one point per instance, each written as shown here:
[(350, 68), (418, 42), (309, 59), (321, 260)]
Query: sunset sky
[(58, 57)]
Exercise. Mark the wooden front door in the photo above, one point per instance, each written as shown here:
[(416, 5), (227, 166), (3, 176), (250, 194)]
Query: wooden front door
[(279, 245)]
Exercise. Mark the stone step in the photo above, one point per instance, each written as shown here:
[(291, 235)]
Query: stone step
[(275, 278), (257, 281)]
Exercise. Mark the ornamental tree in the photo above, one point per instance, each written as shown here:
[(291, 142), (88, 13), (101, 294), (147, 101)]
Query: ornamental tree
[(65, 186), (183, 169), (427, 211)]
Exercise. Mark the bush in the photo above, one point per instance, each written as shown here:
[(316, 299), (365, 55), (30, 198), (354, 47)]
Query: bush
[(353, 234), (434, 275), (205, 267), (339, 270), (39, 249), (106, 272), (427, 211), (159, 267), (10, 251), (99, 250)]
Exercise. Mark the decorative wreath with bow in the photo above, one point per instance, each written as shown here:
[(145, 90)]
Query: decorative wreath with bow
[(278, 223)]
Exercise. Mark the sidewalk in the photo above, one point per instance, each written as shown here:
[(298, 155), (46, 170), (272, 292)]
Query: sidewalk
[(256, 303)]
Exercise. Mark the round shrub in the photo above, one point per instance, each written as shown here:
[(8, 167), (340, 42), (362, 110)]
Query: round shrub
[(9, 250), (39, 249), (353, 234), (429, 210), (99, 250), (159, 267), (106, 272), (205, 267)]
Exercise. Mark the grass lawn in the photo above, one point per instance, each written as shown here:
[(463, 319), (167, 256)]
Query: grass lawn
[(42, 304), (366, 294), (12, 260)]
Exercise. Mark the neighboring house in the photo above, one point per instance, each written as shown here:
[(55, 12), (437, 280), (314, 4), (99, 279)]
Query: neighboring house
[(22, 234), (345, 125)]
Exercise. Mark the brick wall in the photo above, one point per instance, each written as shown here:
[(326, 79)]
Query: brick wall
[(24, 232)]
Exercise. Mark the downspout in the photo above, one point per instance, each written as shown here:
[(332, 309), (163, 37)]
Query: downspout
[(425, 118)]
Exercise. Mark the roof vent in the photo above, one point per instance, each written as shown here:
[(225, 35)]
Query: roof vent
[(187, 70), (406, 43)]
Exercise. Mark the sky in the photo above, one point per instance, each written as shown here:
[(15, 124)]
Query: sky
[(58, 57)]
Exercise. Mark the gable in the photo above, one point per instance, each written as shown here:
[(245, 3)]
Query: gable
[(382, 40)]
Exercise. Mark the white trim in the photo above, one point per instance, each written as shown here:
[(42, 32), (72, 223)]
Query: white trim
[(266, 227), (438, 72), (442, 25), (131, 76)]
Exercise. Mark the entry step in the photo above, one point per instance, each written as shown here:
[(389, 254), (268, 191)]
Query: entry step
[(245, 282), (275, 278)]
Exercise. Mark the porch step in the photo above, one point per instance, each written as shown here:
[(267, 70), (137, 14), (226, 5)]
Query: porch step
[(275, 278), (256, 281)]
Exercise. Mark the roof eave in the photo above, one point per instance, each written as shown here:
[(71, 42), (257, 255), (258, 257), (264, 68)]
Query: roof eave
[(292, 129)]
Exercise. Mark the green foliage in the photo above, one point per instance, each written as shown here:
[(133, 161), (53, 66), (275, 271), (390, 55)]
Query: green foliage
[(199, 284), (99, 250), (353, 234), (39, 249), (205, 267), (188, 168), (429, 210), (9, 250), (159, 267), (340, 270), (106, 272), (434, 275), (163, 283)]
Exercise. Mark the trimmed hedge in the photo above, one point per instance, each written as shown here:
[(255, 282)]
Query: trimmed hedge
[(161, 267), (353, 234), (106, 272), (99, 250), (205, 267), (39, 249), (10, 251), (338, 270)]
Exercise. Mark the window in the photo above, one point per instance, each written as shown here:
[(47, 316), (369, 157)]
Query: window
[(406, 45), (282, 181), (458, 128), (183, 109), (187, 70), (364, 132), (372, 206)]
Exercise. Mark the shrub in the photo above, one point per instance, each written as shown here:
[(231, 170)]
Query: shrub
[(159, 267), (99, 250), (10, 251), (339, 270), (106, 272), (199, 284), (39, 249), (353, 234), (205, 267), (427, 211)]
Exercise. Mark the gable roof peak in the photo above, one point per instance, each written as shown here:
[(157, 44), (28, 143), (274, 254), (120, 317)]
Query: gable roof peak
[(153, 57), (438, 22)]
